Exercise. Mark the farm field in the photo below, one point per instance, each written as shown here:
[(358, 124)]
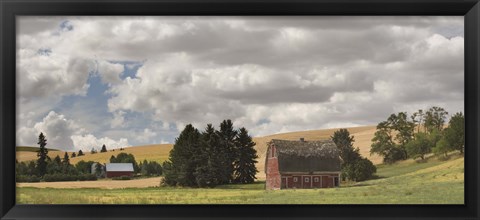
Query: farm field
[(159, 152), (408, 182)]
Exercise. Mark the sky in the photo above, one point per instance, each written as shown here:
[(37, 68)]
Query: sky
[(127, 81)]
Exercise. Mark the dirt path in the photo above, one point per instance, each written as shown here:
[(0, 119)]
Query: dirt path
[(104, 184)]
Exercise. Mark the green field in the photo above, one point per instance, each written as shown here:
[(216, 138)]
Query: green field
[(31, 149), (409, 182)]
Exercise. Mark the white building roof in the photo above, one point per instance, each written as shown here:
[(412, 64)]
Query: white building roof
[(119, 167)]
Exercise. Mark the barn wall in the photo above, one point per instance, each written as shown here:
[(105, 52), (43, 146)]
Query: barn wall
[(273, 180), (306, 180), (111, 174)]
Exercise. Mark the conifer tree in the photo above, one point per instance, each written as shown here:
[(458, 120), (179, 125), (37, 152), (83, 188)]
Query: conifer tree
[(73, 155), (80, 153), (42, 155), (244, 165), (227, 141), (209, 170), (183, 159), (104, 149), (66, 159)]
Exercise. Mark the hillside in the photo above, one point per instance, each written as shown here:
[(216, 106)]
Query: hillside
[(408, 182), (156, 152), (159, 152), (31, 149)]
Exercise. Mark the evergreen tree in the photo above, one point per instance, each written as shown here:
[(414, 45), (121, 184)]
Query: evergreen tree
[(93, 151), (104, 149), (80, 153), (212, 160), (183, 159), (244, 165), (42, 155), (66, 159), (227, 141), (354, 166), (344, 143), (73, 155)]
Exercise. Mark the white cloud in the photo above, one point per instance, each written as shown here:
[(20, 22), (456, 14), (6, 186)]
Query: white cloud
[(269, 74), (64, 134), (89, 141)]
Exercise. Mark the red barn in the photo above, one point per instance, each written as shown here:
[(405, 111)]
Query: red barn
[(118, 169), (302, 164)]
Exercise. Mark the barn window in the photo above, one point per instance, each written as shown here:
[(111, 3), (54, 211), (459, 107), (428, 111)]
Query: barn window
[(295, 179), (316, 179), (307, 179)]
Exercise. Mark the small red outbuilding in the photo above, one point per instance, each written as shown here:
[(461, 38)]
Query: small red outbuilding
[(118, 169)]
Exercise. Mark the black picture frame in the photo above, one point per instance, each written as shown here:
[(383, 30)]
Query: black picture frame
[(470, 9)]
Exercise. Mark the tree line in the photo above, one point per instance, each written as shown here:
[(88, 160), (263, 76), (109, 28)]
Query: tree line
[(401, 137), (211, 157), (60, 169)]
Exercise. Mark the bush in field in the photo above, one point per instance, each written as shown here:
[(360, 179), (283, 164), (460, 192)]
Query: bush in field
[(27, 179)]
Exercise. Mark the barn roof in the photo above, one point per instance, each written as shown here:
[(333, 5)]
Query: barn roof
[(307, 156), (119, 167)]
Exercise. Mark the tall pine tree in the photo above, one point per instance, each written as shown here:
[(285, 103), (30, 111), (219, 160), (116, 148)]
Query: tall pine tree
[(183, 159), (104, 149), (227, 141), (244, 165), (209, 170), (42, 155)]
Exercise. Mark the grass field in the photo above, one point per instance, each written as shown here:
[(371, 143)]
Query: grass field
[(31, 149), (408, 182)]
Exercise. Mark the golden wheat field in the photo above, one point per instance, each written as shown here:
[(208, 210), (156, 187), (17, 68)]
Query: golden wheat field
[(155, 152)]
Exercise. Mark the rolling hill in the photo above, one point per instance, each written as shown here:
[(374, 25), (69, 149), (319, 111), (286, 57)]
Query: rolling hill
[(159, 152)]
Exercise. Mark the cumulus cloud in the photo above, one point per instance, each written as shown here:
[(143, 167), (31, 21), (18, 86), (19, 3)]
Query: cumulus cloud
[(269, 74), (65, 134)]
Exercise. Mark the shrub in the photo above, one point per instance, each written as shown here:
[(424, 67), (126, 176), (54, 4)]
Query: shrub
[(65, 177), (27, 179), (122, 178), (360, 170)]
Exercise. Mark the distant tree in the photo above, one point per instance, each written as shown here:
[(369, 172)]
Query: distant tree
[(453, 136), (344, 143), (434, 119), (180, 168), (417, 118), (84, 167), (104, 149), (99, 169), (73, 155), (383, 145), (244, 167), (57, 160), (354, 166), (66, 159), (93, 151), (419, 146), (32, 168), (126, 158), (80, 153), (42, 155)]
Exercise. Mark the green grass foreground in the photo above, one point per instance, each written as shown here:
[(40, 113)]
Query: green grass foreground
[(432, 182)]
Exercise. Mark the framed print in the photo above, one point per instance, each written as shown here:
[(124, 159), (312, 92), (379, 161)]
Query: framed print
[(257, 109)]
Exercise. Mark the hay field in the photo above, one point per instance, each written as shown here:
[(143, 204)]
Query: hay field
[(101, 184), (409, 182), (155, 152)]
